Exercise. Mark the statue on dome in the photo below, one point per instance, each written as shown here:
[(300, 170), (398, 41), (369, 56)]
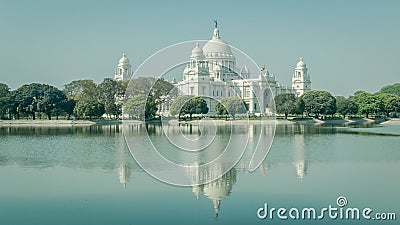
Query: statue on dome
[(216, 23)]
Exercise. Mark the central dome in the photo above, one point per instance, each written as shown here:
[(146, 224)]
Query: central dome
[(216, 47)]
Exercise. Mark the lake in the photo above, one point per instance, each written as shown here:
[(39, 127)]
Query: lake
[(87, 175)]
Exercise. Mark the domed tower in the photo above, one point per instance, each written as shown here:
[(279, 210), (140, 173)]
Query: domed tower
[(301, 81), (218, 52), (123, 69)]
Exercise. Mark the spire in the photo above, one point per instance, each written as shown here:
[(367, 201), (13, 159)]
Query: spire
[(216, 31), (217, 204)]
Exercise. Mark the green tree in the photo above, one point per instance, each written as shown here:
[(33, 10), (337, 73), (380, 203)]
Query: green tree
[(5, 103), (368, 103), (26, 99), (391, 103), (319, 102), (178, 103), (68, 107), (299, 106), (155, 87), (80, 89), (188, 104), (51, 100), (110, 94), (141, 106), (233, 105), (196, 105), (346, 106), (391, 89), (220, 109), (285, 104), (89, 108)]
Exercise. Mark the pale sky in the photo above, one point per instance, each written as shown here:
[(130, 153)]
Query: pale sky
[(347, 45)]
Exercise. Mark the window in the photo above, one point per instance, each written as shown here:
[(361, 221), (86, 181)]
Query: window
[(255, 106), (247, 92), (191, 90)]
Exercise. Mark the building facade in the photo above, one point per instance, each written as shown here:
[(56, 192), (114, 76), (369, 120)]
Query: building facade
[(212, 73)]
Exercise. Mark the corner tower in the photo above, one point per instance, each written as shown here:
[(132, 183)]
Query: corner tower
[(301, 81), (124, 70)]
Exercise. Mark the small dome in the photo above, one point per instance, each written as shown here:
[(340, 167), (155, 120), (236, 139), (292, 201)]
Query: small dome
[(123, 59), (197, 51), (301, 64)]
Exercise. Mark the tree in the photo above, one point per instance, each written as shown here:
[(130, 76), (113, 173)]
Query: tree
[(299, 104), (151, 90), (233, 105), (368, 103), (89, 108), (346, 106), (319, 102), (391, 89), (156, 87), (391, 103), (26, 99), (188, 104), (220, 109), (178, 103), (4, 99), (79, 89), (51, 99), (68, 107), (33, 98), (285, 104), (141, 106), (110, 94), (196, 105)]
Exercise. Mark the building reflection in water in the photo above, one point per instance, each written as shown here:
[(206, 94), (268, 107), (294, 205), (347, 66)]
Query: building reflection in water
[(124, 169), (296, 134), (216, 190), (124, 173), (299, 155), (220, 188)]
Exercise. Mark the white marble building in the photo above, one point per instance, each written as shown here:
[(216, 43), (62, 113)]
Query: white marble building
[(212, 74)]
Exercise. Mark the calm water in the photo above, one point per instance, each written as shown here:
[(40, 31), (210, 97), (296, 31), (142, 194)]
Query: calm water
[(86, 175)]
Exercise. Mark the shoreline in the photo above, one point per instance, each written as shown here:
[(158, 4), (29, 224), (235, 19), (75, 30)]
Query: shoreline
[(55, 123), (46, 123)]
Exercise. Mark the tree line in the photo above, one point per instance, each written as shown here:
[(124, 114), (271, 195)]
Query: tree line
[(318, 103), (83, 99)]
